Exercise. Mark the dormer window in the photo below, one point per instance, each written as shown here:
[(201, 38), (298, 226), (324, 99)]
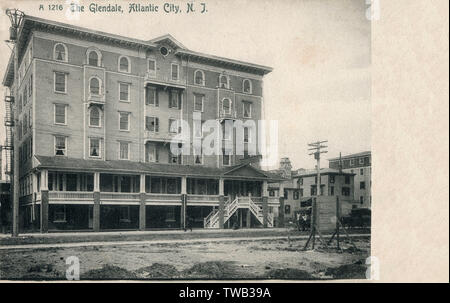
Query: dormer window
[(94, 58), (223, 82), (124, 64), (94, 86), (247, 86), (199, 77), (60, 52)]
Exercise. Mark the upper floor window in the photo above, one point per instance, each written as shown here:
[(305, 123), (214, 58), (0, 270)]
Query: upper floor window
[(199, 77), (151, 96), (198, 103), (174, 126), (247, 135), (94, 86), (60, 52), (224, 82), (226, 106), (347, 179), (296, 195), (175, 99), (124, 121), (352, 162), (60, 145), (60, 114), (94, 117), (124, 148), (152, 124), (94, 148), (247, 86), (124, 64), (151, 67), (60, 82), (174, 71), (124, 92), (247, 109), (361, 160), (94, 58), (332, 178), (226, 160)]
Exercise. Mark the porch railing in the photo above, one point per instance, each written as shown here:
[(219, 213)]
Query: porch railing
[(203, 198), (119, 196), (70, 195)]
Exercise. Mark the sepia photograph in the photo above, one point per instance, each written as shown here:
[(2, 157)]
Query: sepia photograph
[(188, 141)]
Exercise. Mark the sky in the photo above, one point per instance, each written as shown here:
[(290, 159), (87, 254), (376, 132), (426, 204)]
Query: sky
[(319, 49)]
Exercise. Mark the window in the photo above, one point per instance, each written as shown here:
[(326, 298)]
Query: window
[(151, 67), (226, 157), (361, 171), (227, 128), (94, 116), (151, 96), (124, 150), (199, 77), (361, 200), (247, 135), (198, 157), (223, 81), (173, 126), (361, 161), (271, 193), (60, 52), (94, 147), (174, 101), (198, 103), (60, 114), (300, 181), (198, 129), (345, 191), (59, 214), (94, 86), (331, 190), (226, 106), (151, 153), (124, 64), (60, 82), (247, 109), (60, 145), (313, 190), (287, 209), (296, 195), (152, 124), (174, 71), (30, 91), (352, 162), (332, 178), (174, 159), (93, 58), (124, 89), (347, 179), (286, 194), (362, 185), (301, 192), (124, 121), (247, 86)]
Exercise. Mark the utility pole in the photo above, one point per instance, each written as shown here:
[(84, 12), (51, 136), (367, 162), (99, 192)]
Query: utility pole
[(316, 148), (15, 17)]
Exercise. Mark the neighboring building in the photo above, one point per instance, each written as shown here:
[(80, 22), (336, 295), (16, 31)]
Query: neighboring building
[(5, 206), (1, 167), (360, 165), (302, 186), (97, 113)]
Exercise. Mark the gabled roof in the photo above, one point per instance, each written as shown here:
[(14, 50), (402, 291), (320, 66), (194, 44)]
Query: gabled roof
[(169, 39), (134, 167)]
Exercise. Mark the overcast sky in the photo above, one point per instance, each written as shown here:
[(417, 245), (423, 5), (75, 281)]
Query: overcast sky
[(319, 49)]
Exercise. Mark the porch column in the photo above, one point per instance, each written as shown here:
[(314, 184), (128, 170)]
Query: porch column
[(142, 202), (96, 209), (183, 202), (221, 203), (265, 202), (281, 209), (44, 201)]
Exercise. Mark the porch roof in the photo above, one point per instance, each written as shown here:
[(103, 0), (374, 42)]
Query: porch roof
[(243, 171)]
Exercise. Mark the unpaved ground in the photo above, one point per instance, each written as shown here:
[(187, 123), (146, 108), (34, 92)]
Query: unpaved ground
[(268, 259)]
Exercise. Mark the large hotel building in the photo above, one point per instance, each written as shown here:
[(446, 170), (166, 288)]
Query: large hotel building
[(97, 114)]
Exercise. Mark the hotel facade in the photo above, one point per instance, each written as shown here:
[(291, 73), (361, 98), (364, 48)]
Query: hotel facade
[(97, 116)]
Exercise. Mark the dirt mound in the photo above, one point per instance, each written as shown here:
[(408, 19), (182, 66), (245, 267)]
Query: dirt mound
[(289, 274), (211, 270), (347, 271), (108, 272), (159, 271)]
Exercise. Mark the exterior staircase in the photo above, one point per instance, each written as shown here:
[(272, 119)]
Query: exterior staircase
[(212, 220)]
